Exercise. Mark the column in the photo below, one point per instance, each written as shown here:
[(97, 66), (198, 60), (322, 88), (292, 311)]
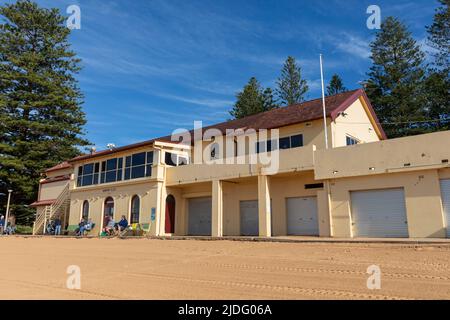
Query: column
[(217, 209), (264, 211)]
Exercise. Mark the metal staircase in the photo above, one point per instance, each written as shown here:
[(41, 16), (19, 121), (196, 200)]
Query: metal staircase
[(60, 206)]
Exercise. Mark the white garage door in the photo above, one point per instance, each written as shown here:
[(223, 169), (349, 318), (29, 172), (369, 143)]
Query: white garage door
[(200, 216), (445, 190), (379, 214), (249, 218), (302, 216)]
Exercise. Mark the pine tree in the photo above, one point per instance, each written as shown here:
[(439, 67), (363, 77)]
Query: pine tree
[(395, 80), (439, 36), (336, 86), (252, 99), (269, 101), (437, 83), (291, 87), (40, 102)]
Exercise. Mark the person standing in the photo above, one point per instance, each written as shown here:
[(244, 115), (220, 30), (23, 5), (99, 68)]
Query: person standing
[(57, 226), (2, 225)]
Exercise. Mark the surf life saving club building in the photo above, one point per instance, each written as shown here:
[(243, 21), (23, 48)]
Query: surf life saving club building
[(268, 174)]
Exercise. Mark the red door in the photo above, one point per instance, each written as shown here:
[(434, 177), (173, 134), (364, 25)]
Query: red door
[(170, 214)]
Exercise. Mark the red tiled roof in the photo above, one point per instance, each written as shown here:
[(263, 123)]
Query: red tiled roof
[(60, 166), (42, 203), (55, 179), (276, 118)]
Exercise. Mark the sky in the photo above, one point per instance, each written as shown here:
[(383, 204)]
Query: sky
[(152, 66)]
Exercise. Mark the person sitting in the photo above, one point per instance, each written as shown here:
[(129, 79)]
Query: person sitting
[(122, 225), (88, 226), (110, 226), (79, 231)]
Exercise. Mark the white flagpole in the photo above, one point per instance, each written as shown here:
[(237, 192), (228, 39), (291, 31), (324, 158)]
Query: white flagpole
[(323, 103)]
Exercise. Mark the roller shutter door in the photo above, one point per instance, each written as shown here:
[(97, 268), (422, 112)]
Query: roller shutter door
[(445, 191), (249, 218), (379, 214), (302, 216), (200, 216)]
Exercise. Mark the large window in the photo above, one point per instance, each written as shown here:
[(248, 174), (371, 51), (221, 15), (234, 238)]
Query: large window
[(173, 159), (135, 206), (138, 165), (295, 141)]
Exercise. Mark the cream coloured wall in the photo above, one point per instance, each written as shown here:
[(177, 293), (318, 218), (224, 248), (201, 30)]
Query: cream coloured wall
[(422, 200), (51, 191), (356, 123), (147, 192)]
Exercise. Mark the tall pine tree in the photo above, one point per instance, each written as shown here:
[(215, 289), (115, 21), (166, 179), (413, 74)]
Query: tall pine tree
[(292, 87), (439, 36), (40, 101), (253, 99), (336, 85), (395, 80), (437, 83)]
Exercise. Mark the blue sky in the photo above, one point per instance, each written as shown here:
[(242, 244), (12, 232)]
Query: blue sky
[(151, 66)]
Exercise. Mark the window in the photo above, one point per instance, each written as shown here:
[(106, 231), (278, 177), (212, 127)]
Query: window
[(170, 159), (87, 175), (297, 141), (138, 165), (173, 159), (351, 141), (282, 144), (135, 208), (85, 211)]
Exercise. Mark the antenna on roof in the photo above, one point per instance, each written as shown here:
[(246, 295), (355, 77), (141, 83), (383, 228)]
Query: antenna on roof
[(92, 149), (323, 102)]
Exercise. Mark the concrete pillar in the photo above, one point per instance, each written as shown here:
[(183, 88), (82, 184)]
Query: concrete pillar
[(264, 211), (217, 209), (324, 214)]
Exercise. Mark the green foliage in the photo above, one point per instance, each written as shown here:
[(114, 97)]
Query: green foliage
[(336, 86), (439, 36), (253, 99), (40, 101), (24, 230), (291, 87), (395, 80)]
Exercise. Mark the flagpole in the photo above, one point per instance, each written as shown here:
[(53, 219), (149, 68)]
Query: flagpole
[(323, 103)]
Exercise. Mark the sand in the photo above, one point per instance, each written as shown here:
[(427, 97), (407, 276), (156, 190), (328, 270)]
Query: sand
[(36, 268)]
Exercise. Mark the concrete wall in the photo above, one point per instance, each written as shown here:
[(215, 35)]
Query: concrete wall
[(423, 201), (356, 123), (51, 191)]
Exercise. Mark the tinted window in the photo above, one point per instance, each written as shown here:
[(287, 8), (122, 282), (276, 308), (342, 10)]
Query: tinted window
[(138, 159), (138, 172), (111, 164), (88, 169), (297, 141), (168, 159), (285, 143)]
